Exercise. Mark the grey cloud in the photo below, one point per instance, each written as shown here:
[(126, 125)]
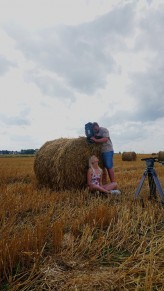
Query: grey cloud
[(82, 55), (131, 133), (148, 91), (152, 30), (13, 120), (22, 119), (149, 1), (5, 65), (50, 86), (118, 118), (119, 21), (128, 131), (147, 88), (146, 109), (25, 139)]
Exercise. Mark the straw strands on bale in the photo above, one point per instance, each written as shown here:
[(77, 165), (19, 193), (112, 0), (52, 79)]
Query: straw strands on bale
[(161, 156), (129, 156), (62, 163)]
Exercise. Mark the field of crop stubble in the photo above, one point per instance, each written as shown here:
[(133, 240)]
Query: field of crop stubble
[(71, 240)]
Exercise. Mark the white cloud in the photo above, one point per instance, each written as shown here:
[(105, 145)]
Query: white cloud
[(64, 64), (5, 65)]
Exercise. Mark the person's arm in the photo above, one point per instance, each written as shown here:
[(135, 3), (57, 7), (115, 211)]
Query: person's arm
[(100, 140), (103, 139), (89, 177), (101, 178)]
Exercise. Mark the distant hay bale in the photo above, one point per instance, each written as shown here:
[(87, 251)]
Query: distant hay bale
[(161, 156), (62, 163), (129, 156)]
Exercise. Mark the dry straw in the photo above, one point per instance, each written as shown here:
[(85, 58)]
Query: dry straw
[(161, 156), (62, 163), (129, 156)]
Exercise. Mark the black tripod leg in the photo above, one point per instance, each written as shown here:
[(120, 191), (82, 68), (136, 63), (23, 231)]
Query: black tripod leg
[(140, 184), (152, 186), (159, 188)]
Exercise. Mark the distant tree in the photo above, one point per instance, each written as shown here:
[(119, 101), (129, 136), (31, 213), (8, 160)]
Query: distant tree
[(4, 152), (27, 152)]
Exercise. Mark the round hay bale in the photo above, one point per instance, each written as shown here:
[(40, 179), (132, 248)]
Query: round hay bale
[(62, 163), (161, 156), (129, 156)]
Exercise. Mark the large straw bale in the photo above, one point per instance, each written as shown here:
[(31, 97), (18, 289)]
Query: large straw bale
[(129, 156), (161, 156), (63, 163)]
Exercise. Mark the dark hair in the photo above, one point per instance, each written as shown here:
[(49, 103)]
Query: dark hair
[(95, 124)]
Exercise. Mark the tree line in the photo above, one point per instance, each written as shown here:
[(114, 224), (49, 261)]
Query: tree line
[(21, 152)]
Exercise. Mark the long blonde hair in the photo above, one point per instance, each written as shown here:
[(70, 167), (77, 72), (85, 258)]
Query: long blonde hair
[(91, 161)]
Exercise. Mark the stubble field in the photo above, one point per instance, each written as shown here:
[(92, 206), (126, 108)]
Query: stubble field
[(72, 240)]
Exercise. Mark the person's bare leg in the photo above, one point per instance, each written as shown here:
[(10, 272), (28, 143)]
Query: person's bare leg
[(104, 176), (111, 186), (98, 188), (111, 174)]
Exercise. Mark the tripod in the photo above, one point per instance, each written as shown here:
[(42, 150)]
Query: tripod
[(152, 179)]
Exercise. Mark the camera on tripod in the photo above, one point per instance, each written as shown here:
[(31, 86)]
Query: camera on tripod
[(150, 161), (154, 183)]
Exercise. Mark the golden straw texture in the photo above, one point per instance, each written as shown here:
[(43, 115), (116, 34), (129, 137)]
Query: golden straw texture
[(161, 156), (63, 163), (129, 156)]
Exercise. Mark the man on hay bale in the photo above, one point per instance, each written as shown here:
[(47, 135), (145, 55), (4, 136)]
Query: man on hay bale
[(62, 164)]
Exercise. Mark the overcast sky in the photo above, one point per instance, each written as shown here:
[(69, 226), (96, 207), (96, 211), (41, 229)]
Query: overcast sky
[(65, 63)]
